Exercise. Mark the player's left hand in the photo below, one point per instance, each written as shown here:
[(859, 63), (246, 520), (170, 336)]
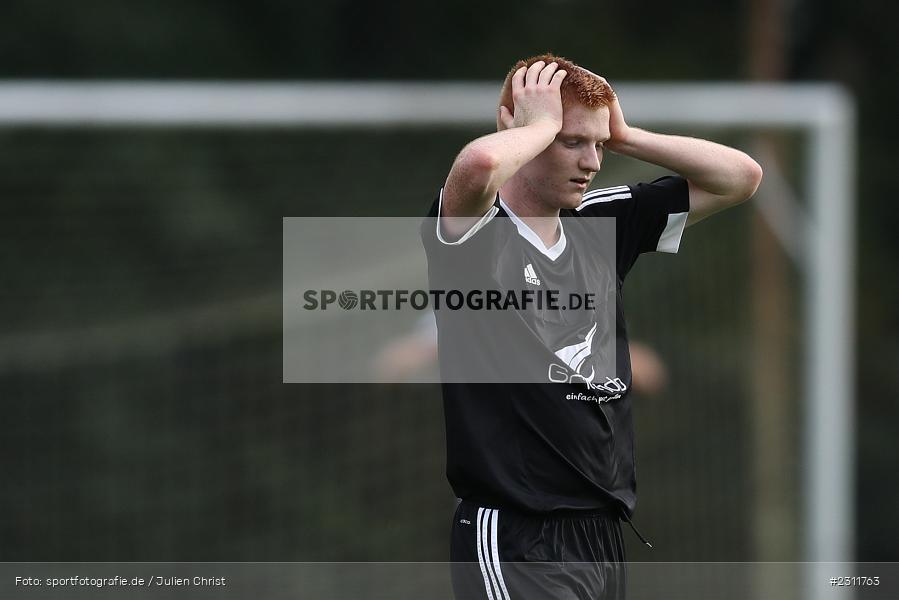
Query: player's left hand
[(618, 127)]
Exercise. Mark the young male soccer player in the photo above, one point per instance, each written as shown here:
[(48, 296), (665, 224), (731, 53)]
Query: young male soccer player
[(544, 476)]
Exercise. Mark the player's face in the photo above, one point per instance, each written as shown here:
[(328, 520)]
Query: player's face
[(559, 176)]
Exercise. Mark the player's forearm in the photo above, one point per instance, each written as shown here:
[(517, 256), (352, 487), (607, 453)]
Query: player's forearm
[(485, 164), (713, 167), (511, 149)]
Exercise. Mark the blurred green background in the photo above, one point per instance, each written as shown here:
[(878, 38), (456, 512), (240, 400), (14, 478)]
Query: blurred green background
[(144, 418)]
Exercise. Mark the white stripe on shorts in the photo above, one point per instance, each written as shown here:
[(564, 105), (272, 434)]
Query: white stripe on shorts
[(488, 554), (482, 536), (495, 547)]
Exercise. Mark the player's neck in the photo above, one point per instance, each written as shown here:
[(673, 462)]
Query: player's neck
[(542, 220)]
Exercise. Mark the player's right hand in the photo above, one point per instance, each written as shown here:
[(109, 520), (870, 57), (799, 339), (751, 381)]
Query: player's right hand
[(535, 96)]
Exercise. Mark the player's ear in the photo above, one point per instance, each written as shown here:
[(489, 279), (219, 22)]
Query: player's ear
[(504, 118)]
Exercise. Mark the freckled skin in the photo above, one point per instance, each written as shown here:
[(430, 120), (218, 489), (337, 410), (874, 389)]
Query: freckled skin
[(545, 182), (544, 154)]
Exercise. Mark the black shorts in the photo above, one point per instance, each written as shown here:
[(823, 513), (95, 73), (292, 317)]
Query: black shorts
[(507, 555)]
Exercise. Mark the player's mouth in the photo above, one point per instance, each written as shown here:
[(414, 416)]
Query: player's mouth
[(581, 182)]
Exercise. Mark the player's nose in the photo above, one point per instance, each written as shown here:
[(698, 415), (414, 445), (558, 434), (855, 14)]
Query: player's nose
[(591, 159)]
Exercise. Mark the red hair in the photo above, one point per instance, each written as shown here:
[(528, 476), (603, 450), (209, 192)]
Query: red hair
[(579, 85)]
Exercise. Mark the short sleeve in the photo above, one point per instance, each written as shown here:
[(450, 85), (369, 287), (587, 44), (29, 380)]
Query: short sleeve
[(661, 210), (435, 214), (466, 260), (650, 217)]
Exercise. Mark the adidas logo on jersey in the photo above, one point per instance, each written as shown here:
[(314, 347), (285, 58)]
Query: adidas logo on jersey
[(530, 275)]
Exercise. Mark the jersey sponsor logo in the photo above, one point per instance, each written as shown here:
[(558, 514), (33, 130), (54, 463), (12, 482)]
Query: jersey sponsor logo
[(530, 275), (465, 521), (576, 358), (610, 389), (598, 399)]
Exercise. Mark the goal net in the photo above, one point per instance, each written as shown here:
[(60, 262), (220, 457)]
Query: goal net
[(146, 416)]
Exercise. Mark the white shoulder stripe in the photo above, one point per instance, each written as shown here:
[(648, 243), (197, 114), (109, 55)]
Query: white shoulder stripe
[(588, 202), (608, 190)]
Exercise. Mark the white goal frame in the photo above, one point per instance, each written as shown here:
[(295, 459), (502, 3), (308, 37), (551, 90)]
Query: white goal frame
[(826, 250)]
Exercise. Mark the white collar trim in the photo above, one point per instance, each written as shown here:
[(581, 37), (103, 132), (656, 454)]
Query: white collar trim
[(553, 252)]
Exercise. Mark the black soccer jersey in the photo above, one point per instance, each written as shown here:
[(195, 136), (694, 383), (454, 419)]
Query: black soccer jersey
[(551, 427)]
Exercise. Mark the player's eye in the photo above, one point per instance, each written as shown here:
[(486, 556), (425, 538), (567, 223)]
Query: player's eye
[(570, 143)]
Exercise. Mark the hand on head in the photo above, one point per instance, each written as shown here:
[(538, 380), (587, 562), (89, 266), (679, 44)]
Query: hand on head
[(535, 96), (618, 127)]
